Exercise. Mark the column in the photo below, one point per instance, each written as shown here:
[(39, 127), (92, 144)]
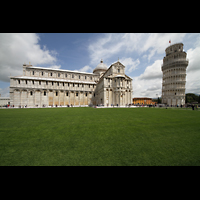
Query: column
[(113, 97), (104, 98), (120, 98), (74, 97), (59, 98), (47, 103), (79, 98), (69, 93), (64, 97), (130, 97), (53, 96), (34, 97), (108, 97), (20, 94), (40, 98)]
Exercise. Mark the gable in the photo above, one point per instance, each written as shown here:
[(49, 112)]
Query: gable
[(118, 64)]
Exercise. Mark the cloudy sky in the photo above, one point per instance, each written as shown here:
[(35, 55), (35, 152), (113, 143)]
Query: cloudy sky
[(141, 53)]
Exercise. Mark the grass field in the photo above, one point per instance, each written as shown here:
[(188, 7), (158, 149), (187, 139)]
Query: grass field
[(88, 136)]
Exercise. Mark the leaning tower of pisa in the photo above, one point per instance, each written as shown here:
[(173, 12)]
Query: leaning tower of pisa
[(174, 75)]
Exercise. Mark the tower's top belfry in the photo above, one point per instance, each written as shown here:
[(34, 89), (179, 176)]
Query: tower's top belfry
[(178, 47), (174, 55)]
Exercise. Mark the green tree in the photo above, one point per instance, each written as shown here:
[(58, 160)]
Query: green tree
[(159, 100)]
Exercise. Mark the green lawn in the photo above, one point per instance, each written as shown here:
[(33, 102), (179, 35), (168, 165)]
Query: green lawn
[(88, 136)]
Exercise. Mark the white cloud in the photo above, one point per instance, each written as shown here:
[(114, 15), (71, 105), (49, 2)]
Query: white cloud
[(149, 83), (17, 48), (104, 47), (153, 71), (86, 69), (5, 92), (193, 71), (130, 64), (148, 43)]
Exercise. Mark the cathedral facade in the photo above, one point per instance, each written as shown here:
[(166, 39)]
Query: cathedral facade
[(43, 87)]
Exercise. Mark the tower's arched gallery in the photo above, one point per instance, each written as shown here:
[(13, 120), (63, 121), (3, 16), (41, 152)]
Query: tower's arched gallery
[(174, 75), (39, 87)]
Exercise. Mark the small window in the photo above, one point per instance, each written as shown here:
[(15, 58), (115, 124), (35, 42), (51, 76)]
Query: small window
[(78, 84), (82, 85), (89, 85), (39, 82), (90, 78), (58, 74), (44, 93), (94, 94), (65, 75), (86, 94), (33, 82), (56, 93), (67, 94), (46, 82), (73, 84), (26, 82), (63, 84), (85, 77), (52, 82), (72, 75), (77, 94), (31, 93), (118, 70), (79, 77), (58, 83), (33, 72), (51, 74), (68, 84), (42, 73), (19, 81)]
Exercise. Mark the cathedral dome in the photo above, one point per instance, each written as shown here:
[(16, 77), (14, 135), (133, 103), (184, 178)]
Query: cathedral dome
[(101, 67)]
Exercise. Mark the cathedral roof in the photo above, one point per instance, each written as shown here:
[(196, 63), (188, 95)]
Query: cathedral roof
[(100, 66)]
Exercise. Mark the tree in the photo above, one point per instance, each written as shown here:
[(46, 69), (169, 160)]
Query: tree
[(159, 100)]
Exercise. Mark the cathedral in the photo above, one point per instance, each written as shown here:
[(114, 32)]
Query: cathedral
[(44, 87)]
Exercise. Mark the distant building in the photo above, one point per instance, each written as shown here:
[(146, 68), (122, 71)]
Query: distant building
[(174, 75), (39, 87), (143, 100)]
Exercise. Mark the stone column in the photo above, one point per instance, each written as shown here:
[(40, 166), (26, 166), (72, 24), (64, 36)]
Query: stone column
[(47, 98), (34, 97), (20, 92), (113, 97), (79, 98), (74, 97), (64, 97), (120, 98), (58, 97), (40, 98), (69, 93), (53, 96), (104, 98), (108, 97)]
